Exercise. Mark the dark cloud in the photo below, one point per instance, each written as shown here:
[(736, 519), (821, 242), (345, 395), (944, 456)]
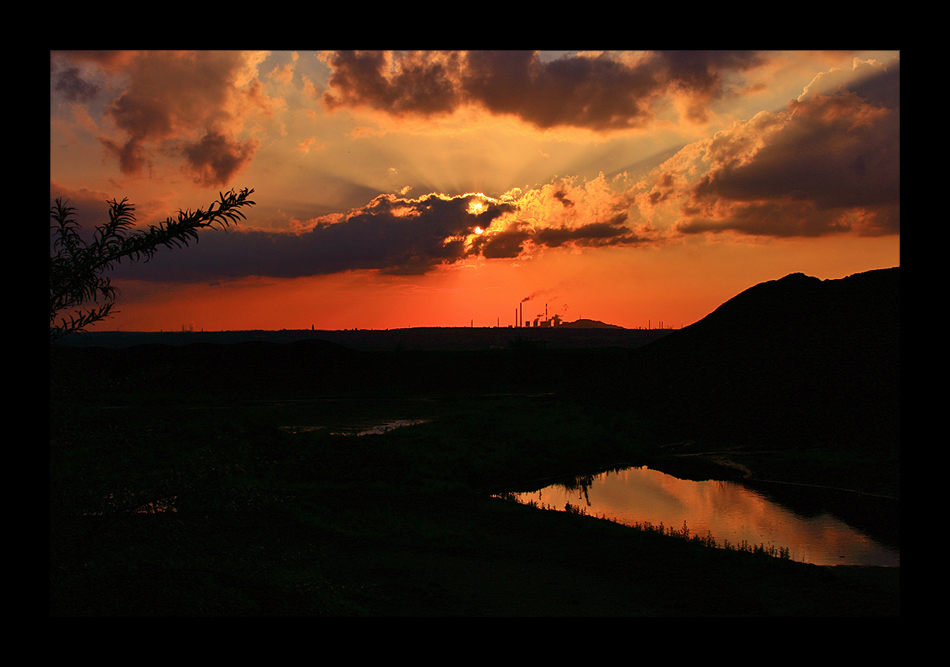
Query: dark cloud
[(562, 197), (881, 88), (108, 59), (701, 74), (215, 158), (504, 244), (595, 92), (424, 83), (782, 217), (592, 234), (663, 189), (828, 154), (391, 235), (829, 163), (131, 155), (74, 87)]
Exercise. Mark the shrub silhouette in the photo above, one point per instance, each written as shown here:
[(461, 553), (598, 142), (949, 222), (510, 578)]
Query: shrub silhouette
[(76, 267)]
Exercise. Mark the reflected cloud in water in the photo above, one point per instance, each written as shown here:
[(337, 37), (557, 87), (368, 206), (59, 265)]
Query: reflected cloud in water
[(726, 510)]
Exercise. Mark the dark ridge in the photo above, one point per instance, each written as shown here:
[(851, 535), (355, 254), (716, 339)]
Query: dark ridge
[(798, 362)]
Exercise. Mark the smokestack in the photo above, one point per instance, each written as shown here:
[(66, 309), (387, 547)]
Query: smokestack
[(521, 314)]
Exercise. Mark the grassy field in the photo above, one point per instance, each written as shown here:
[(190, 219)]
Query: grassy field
[(211, 481)]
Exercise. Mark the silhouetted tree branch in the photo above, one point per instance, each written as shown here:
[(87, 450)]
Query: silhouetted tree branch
[(76, 267)]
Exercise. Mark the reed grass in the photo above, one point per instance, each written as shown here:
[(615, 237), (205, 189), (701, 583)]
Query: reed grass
[(684, 533), (708, 540)]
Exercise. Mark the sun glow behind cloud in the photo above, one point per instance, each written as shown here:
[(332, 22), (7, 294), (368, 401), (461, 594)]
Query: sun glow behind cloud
[(645, 183)]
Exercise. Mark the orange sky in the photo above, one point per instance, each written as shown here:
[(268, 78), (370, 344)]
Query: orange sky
[(443, 188)]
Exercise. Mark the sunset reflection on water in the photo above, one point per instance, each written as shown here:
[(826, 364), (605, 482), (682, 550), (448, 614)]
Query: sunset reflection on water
[(726, 510)]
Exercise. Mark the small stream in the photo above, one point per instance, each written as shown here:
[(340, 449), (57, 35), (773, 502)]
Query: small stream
[(726, 510)]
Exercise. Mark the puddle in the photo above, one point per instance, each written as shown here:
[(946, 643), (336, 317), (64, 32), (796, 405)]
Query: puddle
[(368, 428), (725, 510), (378, 428), (159, 506)]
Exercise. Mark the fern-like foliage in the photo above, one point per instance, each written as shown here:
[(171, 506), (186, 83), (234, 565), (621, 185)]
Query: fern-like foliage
[(79, 293)]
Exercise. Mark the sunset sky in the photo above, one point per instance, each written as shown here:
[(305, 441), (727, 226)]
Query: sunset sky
[(404, 189)]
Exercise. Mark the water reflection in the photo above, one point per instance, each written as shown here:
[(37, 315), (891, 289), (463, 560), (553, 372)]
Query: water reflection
[(726, 510)]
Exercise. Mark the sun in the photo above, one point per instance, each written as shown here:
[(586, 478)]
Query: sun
[(479, 230)]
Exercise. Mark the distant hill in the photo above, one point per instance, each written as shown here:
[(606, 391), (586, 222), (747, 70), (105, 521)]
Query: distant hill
[(798, 361), (587, 324)]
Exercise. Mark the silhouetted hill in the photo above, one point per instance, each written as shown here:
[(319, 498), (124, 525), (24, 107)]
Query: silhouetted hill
[(796, 362), (588, 324)]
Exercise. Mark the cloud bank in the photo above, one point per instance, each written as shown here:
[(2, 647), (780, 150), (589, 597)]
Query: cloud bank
[(392, 235), (829, 162), (601, 92)]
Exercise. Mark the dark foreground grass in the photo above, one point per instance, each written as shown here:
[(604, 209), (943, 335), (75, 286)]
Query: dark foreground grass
[(181, 503)]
